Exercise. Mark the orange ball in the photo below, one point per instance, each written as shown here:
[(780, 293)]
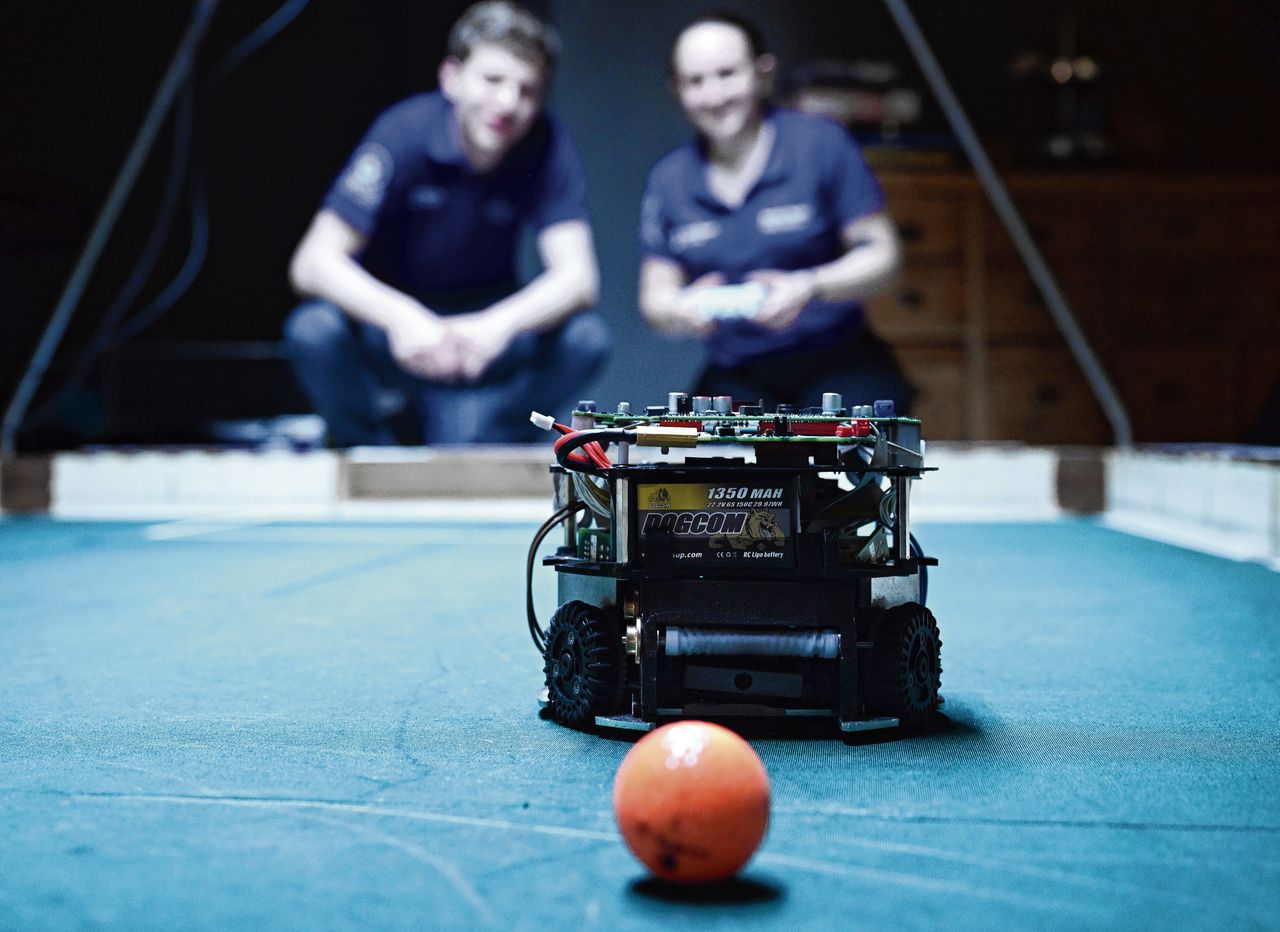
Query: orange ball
[(692, 801)]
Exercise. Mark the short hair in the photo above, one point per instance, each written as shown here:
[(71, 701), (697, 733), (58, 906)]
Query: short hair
[(509, 25), (756, 44)]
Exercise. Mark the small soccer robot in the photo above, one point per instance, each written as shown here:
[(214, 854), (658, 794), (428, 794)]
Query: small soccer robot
[(766, 571)]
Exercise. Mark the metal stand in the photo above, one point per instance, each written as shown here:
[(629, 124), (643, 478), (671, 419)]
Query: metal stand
[(998, 195), (178, 73)]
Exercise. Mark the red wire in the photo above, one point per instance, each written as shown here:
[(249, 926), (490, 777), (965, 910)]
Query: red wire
[(594, 455), (594, 452)]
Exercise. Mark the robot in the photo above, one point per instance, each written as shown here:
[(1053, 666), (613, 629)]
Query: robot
[(769, 572)]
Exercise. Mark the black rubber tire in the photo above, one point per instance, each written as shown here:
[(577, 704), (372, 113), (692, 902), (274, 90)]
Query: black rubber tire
[(584, 664), (906, 665)]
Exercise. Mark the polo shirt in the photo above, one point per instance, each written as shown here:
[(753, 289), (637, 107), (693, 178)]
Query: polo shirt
[(434, 225), (815, 182)]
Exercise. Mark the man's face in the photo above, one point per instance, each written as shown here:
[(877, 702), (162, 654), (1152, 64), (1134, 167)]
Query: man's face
[(719, 85), (497, 96)]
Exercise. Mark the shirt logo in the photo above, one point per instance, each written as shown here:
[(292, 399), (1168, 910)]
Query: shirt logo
[(784, 219), (427, 197), (692, 235), (367, 176)]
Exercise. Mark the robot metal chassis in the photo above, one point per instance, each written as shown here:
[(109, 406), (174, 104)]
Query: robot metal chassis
[(718, 587)]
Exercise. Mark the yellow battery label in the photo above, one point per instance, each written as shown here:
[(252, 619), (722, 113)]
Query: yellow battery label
[(713, 523), (678, 496)]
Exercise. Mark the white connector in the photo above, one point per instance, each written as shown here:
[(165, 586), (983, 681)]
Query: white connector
[(545, 421)]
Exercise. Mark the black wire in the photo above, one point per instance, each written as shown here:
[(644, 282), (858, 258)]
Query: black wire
[(197, 251), (267, 30), (111, 333), (535, 632), (177, 286), (138, 276)]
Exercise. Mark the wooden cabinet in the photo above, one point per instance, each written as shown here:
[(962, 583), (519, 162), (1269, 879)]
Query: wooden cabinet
[(1174, 280)]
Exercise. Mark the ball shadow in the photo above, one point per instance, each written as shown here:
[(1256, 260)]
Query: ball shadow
[(732, 891)]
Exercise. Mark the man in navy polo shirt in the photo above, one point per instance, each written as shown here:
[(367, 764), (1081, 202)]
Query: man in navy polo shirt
[(410, 262), (764, 233)]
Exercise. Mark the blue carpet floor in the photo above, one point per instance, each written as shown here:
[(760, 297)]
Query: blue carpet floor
[(311, 726)]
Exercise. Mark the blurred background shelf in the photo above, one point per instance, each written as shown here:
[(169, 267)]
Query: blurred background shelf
[(1179, 297)]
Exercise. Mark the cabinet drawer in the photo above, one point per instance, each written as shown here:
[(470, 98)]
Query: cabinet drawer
[(937, 372), (1038, 395), (1014, 308), (1061, 225), (1175, 391), (1257, 226), (1177, 225), (1161, 296), (1255, 291), (930, 227), (928, 302)]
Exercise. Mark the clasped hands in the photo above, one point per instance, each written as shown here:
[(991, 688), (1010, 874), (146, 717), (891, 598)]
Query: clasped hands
[(449, 349)]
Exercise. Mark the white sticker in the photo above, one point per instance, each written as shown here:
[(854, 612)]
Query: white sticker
[(694, 234), (784, 219)]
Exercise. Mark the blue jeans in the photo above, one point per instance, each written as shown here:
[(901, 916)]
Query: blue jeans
[(347, 370)]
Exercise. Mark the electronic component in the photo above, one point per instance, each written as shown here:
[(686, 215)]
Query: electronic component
[(727, 301)]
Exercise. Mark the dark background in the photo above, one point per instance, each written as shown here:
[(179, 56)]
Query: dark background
[(1189, 88)]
